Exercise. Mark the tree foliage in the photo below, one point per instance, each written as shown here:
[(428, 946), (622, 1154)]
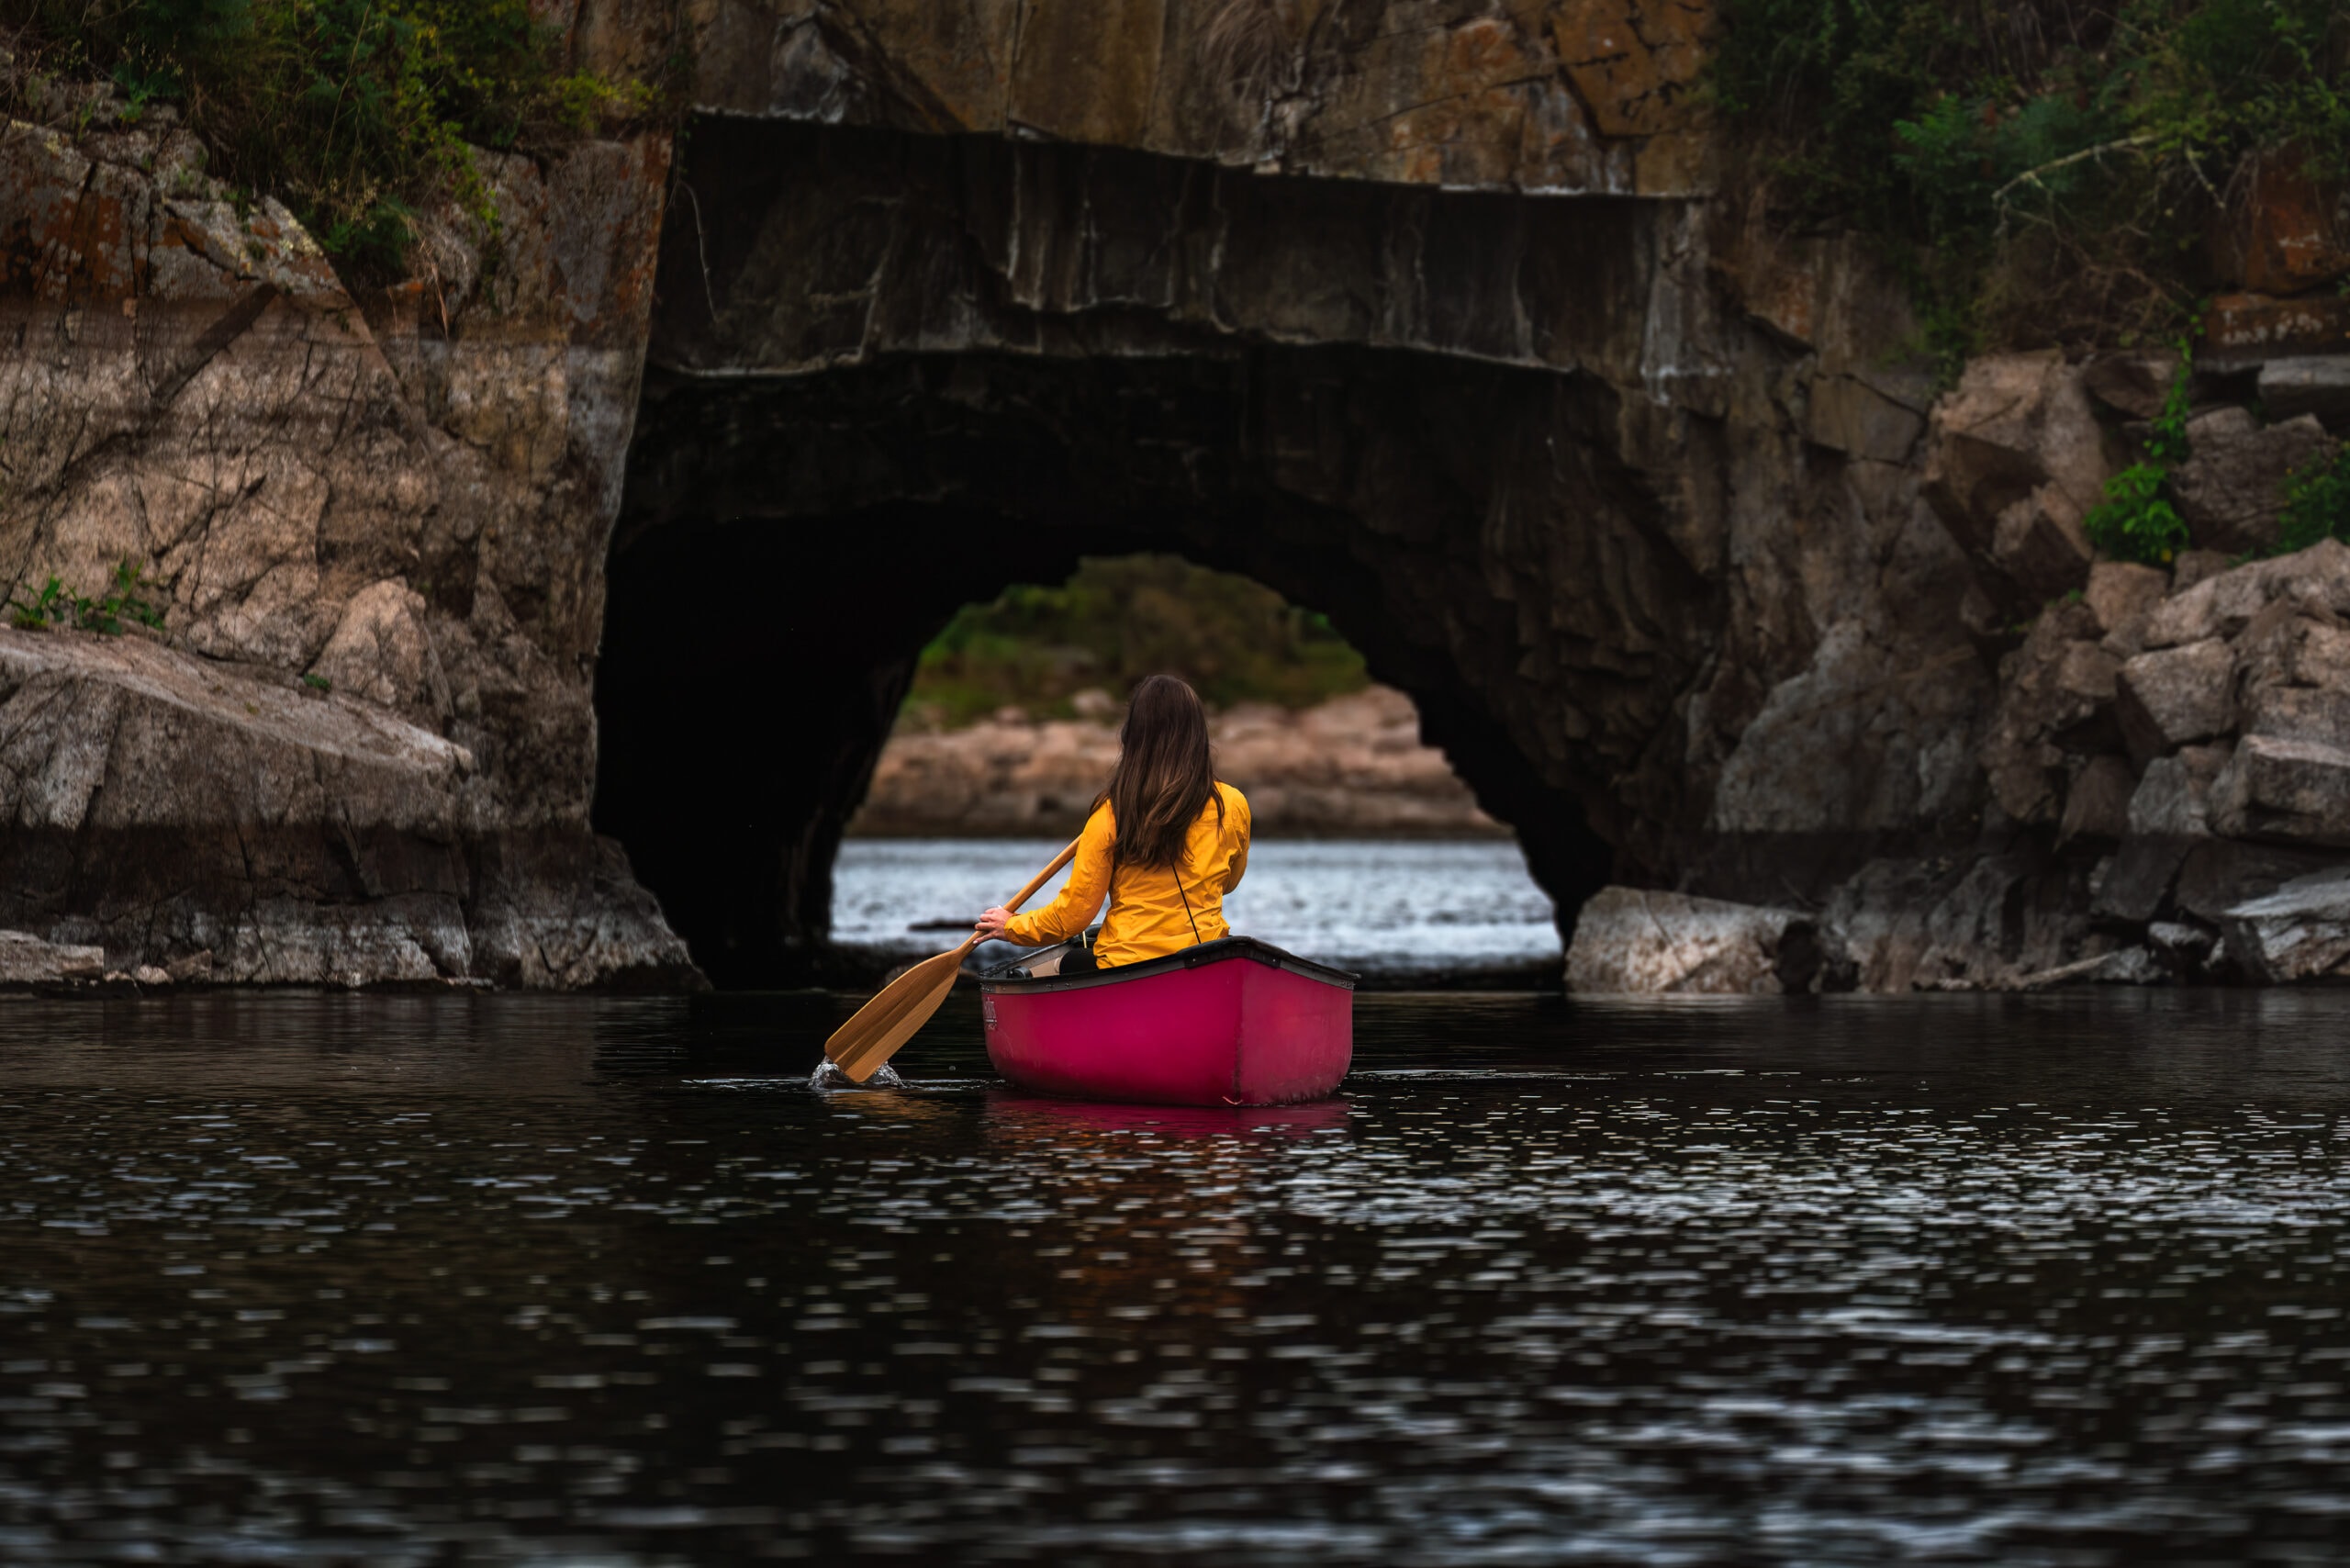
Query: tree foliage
[(352, 112), (2052, 165), (1121, 619), (2136, 522)]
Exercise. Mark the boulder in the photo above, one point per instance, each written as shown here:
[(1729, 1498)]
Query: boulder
[(2055, 704), (2193, 566), (2173, 798), (118, 733), (2232, 490), (2038, 543), (2224, 605), (2016, 458), (2164, 699), (2298, 932), (2284, 789), (286, 835), (2122, 594), (2133, 885), (2098, 804), (25, 960), (2316, 385), (2221, 873), (1629, 942), (2287, 644), (2134, 385), (2300, 713)]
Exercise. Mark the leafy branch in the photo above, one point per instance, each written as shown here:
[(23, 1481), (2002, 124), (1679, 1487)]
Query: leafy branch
[(2045, 170), (358, 114), (53, 606), (2037, 177), (2136, 520)]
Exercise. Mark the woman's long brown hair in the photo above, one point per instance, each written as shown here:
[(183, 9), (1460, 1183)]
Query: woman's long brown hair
[(1164, 775)]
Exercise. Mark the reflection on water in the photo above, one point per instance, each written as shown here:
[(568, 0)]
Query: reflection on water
[(1386, 909), (490, 1280)]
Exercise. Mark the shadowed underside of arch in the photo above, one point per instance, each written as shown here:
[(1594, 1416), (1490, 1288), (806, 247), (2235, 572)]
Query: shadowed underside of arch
[(794, 542), (1511, 446)]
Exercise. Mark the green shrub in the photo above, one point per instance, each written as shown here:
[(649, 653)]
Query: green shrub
[(2054, 164), (2136, 520), (2317, 504), (1119, 620), (54, 606), (353, 112)]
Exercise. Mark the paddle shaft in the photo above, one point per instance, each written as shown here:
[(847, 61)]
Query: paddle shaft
[(870, 1039)]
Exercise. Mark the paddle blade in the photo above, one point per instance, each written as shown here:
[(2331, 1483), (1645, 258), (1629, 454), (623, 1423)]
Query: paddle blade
[(859, 1047)]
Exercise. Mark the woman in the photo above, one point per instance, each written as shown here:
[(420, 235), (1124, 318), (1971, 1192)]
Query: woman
[(1166, 841)]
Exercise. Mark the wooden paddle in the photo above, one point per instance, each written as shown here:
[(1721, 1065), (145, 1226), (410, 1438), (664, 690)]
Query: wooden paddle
[(859, 1047)]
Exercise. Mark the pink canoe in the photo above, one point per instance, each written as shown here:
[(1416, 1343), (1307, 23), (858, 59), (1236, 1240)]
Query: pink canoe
[(1229, 1022)]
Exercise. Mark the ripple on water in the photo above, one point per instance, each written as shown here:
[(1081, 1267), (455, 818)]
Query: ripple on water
[(359, 1281)]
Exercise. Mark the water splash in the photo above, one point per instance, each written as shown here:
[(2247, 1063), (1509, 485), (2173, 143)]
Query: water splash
[(828, 1076)]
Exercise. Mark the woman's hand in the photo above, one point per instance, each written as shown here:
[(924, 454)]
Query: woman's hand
[(991, 924)]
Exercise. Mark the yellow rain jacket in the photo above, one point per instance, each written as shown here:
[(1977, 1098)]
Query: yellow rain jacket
[(1146, 918)]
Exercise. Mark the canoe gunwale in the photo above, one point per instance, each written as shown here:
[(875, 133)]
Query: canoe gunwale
[(1225, 950)]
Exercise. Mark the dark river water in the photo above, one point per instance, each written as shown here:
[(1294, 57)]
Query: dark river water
[(289, 1279)]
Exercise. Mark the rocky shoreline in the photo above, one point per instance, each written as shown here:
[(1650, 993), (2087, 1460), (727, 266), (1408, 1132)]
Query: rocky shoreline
[(1351, 768), (2186, 738)]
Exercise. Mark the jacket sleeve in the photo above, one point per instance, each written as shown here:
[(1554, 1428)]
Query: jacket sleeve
[(1080, 897), (1236, 829)]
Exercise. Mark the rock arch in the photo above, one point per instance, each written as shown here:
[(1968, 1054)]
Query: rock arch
[(760, 636), (804, 511)]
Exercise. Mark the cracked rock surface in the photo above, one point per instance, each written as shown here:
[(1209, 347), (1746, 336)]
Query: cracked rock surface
[(1433, 318), (361, 749)]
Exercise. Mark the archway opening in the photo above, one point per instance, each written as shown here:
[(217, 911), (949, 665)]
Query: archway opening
[(761, 636), (892, 373), (1370, 852)]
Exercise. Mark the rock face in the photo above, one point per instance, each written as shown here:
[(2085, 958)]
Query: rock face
[(1353, 767), (2233, 490), (2018, 460), (1586, 97), (2231, 719), (1433, 322), (26, 960), (1641, 553), (400, 495), (2300, 932), (161, 804), (2167, 765), (1693, 577)]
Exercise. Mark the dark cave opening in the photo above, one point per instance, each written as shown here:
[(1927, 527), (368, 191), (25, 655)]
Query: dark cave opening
[(791, 543), (739, 731)]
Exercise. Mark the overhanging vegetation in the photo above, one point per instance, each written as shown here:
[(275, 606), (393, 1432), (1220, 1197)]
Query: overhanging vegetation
[(2053, 169), (354, 113)]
